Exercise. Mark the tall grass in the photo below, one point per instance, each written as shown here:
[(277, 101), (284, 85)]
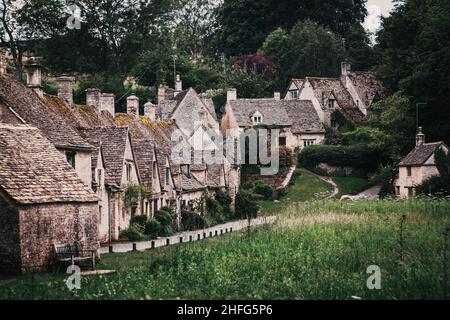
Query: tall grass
[(319, 250)]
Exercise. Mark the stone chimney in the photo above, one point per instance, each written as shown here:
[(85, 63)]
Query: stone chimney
[(133, 106), (2, 64), (150, 111), (93, 97), (161, 93), (34, 78), (107, 103), (231, 94), (346, 68), (178, 84), (420, 137), (277, 95), (65, 92)]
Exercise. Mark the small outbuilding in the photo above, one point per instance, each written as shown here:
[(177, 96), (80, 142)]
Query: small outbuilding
[(43, 202)]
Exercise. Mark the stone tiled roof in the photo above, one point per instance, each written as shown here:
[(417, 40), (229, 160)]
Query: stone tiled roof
[(143, 149), (33, 171), (190, 183), (298, 82), (215, 173), (325, 86), (35, 111), (420, 154), (79, 116), (167, 107), (304, 117), (367, 86), (112, 141), (273, 111)]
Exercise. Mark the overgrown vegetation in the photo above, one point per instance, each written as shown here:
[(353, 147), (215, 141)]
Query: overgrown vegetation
[(317, 251)]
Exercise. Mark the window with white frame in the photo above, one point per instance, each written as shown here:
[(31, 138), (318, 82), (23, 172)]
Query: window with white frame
[(308, 142), (257, 118), (294, 95)]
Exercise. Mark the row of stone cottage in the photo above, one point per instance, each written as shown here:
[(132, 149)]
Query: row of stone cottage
[(104, 152), (44, 200)]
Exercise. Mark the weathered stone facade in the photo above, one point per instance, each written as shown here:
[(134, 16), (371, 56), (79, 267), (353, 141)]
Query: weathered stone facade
[(28, 233)]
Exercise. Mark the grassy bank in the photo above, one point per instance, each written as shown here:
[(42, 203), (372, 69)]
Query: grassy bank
[(306, 187), (318, 250), (350, 185)]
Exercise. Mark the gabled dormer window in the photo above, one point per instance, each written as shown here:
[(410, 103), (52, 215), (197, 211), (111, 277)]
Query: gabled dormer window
[(331, 103), (257, 118), (70, 156), (294, 95)]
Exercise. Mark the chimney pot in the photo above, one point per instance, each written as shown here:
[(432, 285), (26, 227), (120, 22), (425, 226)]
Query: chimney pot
[(178, 84), (107, 103), (133, 106), (150, 111), (420, 137), (93, 97), (161, 93), (346, 68), (277, 95), (65, 92), (34, 78), (231, 94)]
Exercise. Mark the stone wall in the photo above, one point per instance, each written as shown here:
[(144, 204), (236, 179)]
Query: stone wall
[(9, 239), (43, 225)]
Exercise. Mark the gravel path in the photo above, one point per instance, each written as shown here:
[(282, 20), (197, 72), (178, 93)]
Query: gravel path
[(328, 180)]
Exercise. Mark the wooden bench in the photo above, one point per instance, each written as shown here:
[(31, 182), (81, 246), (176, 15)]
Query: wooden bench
[(73, 253)]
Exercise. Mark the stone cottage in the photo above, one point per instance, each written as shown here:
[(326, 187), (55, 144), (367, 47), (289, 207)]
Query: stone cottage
[(43, 202), (297, 120), (22, 105), (418, 166), (120, 171), (339, 100)]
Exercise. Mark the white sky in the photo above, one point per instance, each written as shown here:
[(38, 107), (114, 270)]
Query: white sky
[(377, 8)]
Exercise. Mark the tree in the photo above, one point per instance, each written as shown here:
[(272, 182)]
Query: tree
[(21, 23), (195, 27), (413, 48), (394, 117), (246, 205), (307, 50), (244, 24)]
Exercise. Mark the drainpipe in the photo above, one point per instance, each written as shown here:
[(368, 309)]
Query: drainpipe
[(109, 215)]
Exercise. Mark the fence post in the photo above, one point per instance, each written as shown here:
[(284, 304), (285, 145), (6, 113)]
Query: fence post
[(134, 247), (167, 241), (153, 244), (198, 237), (111, 249)]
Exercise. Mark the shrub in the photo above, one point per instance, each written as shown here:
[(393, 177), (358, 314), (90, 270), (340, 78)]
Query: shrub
[(192, 221), (163, 217), (152, 228), (214, 210), (286, 157), (133, 233), (264, 190), (248, 185), (224, 200), (359, 156), (139, 220), (246, 205)]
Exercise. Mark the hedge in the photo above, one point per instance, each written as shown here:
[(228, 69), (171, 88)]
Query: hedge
[(357, 156)]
